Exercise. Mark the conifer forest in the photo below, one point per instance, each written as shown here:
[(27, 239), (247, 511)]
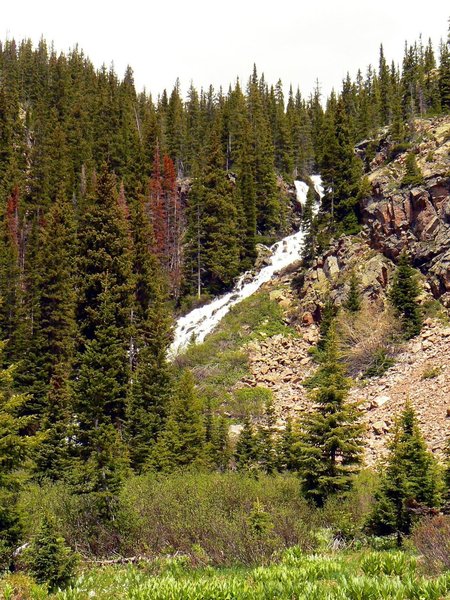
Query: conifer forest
[(134, 468)]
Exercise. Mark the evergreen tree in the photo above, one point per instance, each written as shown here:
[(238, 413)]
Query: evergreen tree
[(50, 561), (103, 362), (403, 295), (341, 171), (413, 175), (246, 453), (181, 443), (331, 446), (353, 300), (265, 439), (327, 317), (444, 77), (53, 456), (310, 227), (104, 254), (150, 392), (14, 447), (288, 448), (409, 478)]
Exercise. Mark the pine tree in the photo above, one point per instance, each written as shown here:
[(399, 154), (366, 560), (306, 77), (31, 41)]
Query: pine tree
[(149, 396), (331, 446), (53, 456), (409, 477), (288, 448), (103, 362), (246, 453), (14, 447), (444, 77), (265, 439), (327, 317), (50, 561), (413, 175), (181, 443), (353, 299), (403, 295)]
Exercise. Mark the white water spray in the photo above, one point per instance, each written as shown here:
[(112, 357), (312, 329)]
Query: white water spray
[(196, 325)]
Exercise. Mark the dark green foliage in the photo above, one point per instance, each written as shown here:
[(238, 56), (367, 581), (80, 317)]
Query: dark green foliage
[(288, 448), (444, 77), (413, 175), (150, 391), (409, 479), (310, 226), (353, 299), (246, 452), (181, 442), (55, 451), (327, 317), (14, 447), (49, 559), (331, 449), (259, 520), (265, 439), (403, 295), (381, 362), (341, 171)]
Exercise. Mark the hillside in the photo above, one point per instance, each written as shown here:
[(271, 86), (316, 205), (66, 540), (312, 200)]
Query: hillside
[(395, 217)]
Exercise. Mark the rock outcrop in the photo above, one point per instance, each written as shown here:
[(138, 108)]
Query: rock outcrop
[(415, 218)]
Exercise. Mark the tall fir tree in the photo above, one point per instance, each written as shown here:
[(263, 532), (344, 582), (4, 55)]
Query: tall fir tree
[(403, 295), (331, 447), (181, 444), (409, 478), (14, 447)]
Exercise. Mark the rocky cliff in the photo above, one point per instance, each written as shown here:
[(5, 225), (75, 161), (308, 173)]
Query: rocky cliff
[(394, 217)]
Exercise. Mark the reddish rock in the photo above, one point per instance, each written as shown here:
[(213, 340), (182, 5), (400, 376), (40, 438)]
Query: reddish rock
[(307, 319)]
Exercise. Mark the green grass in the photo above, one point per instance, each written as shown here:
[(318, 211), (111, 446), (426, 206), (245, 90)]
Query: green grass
[(221, 360), (333, 576)]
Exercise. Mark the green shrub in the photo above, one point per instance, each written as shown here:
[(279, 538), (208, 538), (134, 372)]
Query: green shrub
[(430, 373), (49, 559), (398, 149), (380, 363)]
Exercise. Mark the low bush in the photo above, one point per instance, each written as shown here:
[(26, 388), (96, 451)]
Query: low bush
[(431, 538)]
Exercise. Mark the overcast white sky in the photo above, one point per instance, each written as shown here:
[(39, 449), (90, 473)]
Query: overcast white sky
[(213, 42)]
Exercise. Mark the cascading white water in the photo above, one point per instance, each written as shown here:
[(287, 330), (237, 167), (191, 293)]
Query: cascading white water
[(196, 325)]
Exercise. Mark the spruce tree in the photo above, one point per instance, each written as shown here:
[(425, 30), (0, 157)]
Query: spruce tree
[(409, 478), (353, 299), (265, 439), (104, 314), (181, 443), (150, 389), (14, 447), (327, 317), (53, 455), (287, 448), (403, 295), (413, 175), (331, 449), (246, 452), (444, 77), (50, 561)]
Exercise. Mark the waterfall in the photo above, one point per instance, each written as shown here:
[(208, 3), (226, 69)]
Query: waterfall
[(196, 325)]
